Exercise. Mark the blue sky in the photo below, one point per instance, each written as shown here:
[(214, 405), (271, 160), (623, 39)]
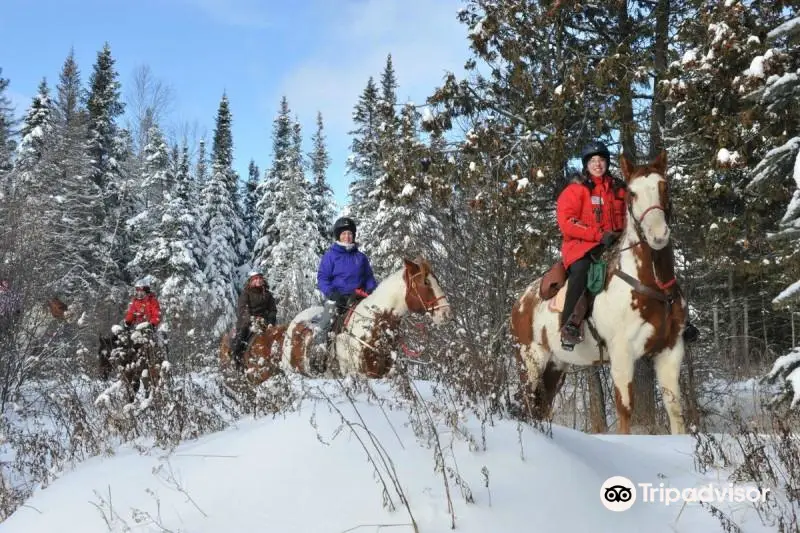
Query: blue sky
[(319, 53)]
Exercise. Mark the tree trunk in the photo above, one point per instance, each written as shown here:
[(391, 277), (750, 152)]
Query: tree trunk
[(690, 391), (734, 345), (644, 395), (746, 342), (597, 402), (625, 101), (658, 117)]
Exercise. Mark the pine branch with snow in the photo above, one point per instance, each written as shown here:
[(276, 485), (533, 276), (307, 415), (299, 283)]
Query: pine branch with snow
[(786, 370)]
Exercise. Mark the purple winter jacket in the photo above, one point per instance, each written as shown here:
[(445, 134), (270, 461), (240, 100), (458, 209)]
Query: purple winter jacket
[(10, 303), (343, 271)]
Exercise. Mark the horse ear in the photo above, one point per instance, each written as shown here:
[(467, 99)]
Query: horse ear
[(626, 166), (660, 163), (423, 264), (410, 264)]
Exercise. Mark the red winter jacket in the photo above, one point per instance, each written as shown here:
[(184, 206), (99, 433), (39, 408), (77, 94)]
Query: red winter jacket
[(145, 309), (585, 210)]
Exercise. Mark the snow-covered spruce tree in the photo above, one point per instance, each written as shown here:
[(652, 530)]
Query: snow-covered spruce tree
[(181, 279), (401, 220), (291, 269), (32, 182), (7, 146), (150, 254), (364, 163), (322, 203), (222, 228), (249, 201), (37, 136), (199, 177), (270, 203), (7, 127), (74, 195), (89, 180), (772, 85)]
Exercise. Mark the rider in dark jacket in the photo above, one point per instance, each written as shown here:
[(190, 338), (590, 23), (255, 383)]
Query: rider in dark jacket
[(255, 301)]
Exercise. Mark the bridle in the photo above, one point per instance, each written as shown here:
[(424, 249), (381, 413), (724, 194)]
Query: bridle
[(428, 305), (665, 295)]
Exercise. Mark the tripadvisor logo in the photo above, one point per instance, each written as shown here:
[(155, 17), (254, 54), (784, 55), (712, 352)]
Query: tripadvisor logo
[(619, 493)]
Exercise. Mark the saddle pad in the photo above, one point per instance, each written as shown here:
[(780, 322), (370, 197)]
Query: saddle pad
[(556, 304)]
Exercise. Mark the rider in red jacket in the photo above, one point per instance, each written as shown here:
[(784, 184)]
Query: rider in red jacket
[(591, 216), (144, 307)]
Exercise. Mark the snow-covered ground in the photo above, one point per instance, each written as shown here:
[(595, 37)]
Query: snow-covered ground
[(335, 465)]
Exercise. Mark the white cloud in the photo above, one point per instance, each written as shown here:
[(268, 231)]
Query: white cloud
[(423, 36), (247, 13), (21, 102)]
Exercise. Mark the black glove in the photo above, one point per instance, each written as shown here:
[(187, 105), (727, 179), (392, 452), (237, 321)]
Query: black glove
[(609, 238), (334, 296)]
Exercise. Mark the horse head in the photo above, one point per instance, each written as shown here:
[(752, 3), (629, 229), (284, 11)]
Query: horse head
[(423, 292), (57, 308), (648, 201)]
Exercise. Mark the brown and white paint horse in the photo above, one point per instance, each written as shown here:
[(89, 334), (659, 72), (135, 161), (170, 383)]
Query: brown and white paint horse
[(639, 313), (261, 359), (365, 343)]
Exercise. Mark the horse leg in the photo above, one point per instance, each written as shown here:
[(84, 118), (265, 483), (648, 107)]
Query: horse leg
[(622, 374), (535, 362), (668, 367), (550, 383)]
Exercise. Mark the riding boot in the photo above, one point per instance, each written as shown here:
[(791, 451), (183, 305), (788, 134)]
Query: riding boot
[(239, 347), (571, 330)]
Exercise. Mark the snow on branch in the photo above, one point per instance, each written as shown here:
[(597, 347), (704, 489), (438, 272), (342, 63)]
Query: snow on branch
[(776, 162), (787, 367), (790, 27)]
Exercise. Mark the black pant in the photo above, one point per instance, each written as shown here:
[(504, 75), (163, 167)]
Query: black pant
[(578, 275)]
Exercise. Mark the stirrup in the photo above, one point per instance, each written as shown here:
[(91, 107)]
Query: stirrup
[(570, 338)]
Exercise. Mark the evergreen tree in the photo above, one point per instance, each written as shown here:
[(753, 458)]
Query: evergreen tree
[(322, 203), (293, 261), (249, 211), (32, 191), (37, 130), (223, 230), (401, 217), (7, 132), (78, 197), (364, 161), (270, 201), (169, 254), (772, 89), (104, 149), (151, 254), (104, 106)]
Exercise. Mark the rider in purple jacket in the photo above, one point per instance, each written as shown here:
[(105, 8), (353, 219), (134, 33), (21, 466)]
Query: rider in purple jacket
[(344, 268), (344, 273)]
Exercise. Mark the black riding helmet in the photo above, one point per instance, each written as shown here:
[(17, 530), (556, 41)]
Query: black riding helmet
[(344, 223), (595, 148)]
